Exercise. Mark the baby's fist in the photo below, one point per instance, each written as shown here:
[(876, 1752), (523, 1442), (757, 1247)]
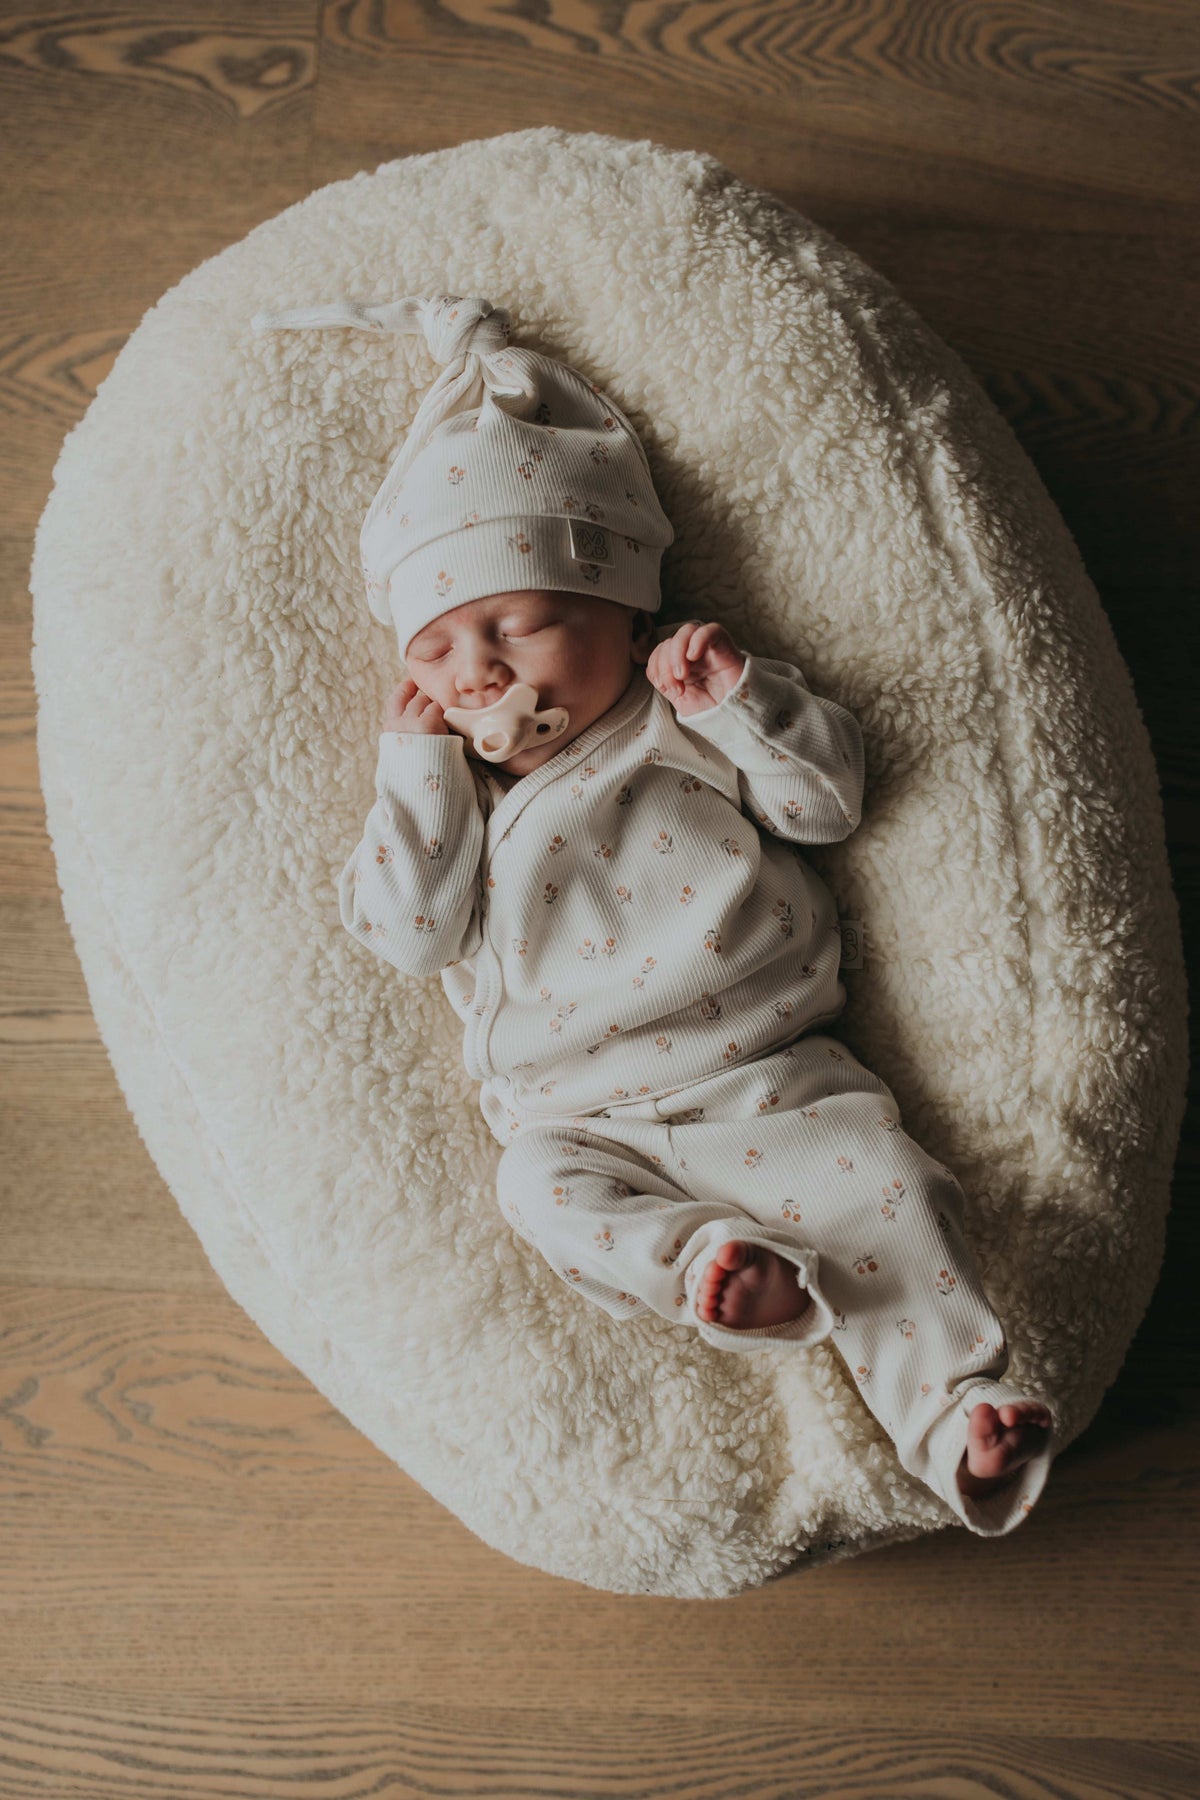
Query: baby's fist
[(696, 667), (408, 709)]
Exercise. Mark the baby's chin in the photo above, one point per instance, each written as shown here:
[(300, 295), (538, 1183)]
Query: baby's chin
[(526, 761)]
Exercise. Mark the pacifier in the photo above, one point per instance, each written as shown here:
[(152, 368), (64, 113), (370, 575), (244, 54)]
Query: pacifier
[(512, 724)]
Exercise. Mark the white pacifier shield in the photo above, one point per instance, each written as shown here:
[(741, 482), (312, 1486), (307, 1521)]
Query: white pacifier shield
[(512, 724)]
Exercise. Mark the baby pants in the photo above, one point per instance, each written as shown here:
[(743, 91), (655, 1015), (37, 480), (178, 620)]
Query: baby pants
[(803, 1152)]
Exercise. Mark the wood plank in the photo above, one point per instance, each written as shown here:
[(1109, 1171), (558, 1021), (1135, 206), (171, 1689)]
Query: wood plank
[(245, 1747), (147, 1440), (962, 111), (213, 1583), (133, 101)]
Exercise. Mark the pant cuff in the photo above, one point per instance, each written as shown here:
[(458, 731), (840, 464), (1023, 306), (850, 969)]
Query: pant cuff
[(945, 1445), (813, 1325)]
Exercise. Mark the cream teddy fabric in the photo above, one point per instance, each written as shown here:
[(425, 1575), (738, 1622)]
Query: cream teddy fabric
[(844, 497)]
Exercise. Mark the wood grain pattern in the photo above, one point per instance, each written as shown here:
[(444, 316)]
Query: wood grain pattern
[(212, 1583)]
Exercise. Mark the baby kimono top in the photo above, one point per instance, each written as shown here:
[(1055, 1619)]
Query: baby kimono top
[(614, 927)]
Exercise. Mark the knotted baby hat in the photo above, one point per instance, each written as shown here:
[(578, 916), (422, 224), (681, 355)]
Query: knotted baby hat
[(516, 472)]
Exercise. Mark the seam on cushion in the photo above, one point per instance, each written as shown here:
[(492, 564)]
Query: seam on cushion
[(928, 463)]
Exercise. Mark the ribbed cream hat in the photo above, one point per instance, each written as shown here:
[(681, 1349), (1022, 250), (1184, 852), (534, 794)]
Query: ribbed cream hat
[(517, 472)]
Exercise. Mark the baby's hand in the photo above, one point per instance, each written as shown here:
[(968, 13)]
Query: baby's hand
[(696, 667), (408, 709)]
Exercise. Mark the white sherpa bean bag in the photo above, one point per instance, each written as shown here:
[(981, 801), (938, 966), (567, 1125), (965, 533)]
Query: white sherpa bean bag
[(210, 683)]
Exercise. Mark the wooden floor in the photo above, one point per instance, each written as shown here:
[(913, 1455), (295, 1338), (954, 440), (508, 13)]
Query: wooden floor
[(214, 1586)]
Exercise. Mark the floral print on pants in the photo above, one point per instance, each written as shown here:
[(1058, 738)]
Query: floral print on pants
[(804, 1152)]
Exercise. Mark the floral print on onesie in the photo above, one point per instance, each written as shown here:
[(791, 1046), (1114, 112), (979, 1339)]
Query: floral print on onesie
[(631, 915), (629, 920)]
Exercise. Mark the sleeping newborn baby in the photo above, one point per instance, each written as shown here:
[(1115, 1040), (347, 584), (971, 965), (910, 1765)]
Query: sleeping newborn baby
[(593, 832), (640, 970)]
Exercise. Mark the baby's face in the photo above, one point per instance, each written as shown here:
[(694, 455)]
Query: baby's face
[(576, 651)]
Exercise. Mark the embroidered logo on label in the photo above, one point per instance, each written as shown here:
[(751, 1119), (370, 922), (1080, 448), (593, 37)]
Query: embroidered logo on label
[(590, 543), (852, 943)]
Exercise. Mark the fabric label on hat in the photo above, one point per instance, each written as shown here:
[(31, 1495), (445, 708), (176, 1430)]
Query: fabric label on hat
[(590, 543)]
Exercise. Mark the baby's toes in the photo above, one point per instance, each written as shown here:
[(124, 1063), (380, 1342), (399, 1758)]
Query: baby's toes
[(1024, 1433), (708, 1294)]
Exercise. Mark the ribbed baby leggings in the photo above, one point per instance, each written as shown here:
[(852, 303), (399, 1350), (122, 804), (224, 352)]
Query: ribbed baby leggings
[(803, 1152)]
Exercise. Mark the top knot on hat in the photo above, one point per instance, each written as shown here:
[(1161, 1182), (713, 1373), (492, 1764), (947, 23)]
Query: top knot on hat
[(551, 490), (458, 325), (454, 325), (465, 333)]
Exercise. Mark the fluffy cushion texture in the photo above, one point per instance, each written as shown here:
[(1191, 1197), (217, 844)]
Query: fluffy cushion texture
[(210, 684)]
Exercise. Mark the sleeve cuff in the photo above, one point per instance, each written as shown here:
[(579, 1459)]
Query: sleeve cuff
[(724, 724), (405, 756)]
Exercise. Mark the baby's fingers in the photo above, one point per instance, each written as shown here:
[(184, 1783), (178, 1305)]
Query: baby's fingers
[(659, 670), (400, 703), (677, 648), (703, 639)]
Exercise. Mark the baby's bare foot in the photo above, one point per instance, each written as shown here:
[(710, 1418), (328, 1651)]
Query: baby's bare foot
[(748, 1285), (998, 1443)]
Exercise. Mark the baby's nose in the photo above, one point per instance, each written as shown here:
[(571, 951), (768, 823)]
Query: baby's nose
[(484, 693), (483, 677)]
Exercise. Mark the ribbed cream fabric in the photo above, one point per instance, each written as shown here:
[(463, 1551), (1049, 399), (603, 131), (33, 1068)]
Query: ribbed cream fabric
[(516, 472), (640, 931), (627, 953), (613, 926)]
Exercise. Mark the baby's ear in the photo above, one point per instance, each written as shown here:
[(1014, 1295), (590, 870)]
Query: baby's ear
[(642, 636)]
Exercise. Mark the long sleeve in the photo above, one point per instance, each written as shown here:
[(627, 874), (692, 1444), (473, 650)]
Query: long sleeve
[(410, 890), (799, 758)]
